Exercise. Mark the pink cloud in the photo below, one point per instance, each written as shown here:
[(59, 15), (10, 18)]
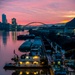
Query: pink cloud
[(47, 11)]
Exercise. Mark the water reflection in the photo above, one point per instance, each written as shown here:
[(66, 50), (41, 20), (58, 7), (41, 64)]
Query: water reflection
[(14, 36), (31, 72), (9, 42), (4, 37)]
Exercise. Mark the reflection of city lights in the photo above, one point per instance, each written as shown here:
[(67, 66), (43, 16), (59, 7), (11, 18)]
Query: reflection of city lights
[(35, 72), (27, 62), (27, 72), (20, 73), (20, 62)]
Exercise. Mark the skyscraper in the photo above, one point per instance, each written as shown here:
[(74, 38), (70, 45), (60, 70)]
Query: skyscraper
[(4, 20), (14, 21)]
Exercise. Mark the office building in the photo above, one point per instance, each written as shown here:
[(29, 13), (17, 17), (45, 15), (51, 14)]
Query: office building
[(14, 21), (4, 20)]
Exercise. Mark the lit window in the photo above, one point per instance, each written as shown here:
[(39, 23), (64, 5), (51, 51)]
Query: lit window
[(35, 57), (42, 62), (20, 62), (27, 57), (20, 73)]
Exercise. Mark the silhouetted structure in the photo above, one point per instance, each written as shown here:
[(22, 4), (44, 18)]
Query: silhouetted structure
[(14, 21), (71, 24), (4, 20)]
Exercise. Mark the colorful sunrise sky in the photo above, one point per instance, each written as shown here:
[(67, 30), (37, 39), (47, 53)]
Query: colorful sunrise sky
[(46, 11)]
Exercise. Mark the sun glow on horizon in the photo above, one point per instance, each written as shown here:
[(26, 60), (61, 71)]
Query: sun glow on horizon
[(64, 21), (70, 16)]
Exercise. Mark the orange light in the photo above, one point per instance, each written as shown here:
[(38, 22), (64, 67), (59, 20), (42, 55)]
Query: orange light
[(65, 21), (27, 72), (35, 62), (21, 63), (35, 57), (20, 73), (27, 62)]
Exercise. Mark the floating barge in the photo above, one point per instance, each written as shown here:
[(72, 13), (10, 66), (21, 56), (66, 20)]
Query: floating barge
[(35, 58), (27, 61)]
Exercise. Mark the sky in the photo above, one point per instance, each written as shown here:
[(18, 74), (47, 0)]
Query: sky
[(46, 11)]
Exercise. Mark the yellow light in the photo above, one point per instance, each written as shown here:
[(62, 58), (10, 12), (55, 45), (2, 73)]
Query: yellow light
[(27, 62), (59, 63), (20, 62), (27, 57), (53, 62), (35, 62), (35, 57), (20, 73), (35, 72), (42, 62), (27, 72)]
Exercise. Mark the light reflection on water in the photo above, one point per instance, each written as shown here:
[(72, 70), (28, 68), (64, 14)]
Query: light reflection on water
[(31, 72)]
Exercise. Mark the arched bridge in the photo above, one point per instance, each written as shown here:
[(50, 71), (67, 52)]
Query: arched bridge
[(34, 23)]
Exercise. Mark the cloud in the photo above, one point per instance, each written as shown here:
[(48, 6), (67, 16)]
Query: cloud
[(37, 10)]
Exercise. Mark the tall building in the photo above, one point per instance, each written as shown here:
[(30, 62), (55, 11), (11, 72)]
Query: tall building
[(14, 21), (4, 20)]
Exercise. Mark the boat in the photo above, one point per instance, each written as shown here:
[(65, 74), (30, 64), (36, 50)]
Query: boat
[(26, 61), (33, 59), (26, 46)]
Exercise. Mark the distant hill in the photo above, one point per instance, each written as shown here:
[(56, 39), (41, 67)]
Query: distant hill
[(71, 23), (60, 24)]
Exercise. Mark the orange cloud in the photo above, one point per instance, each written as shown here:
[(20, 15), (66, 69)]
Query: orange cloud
[(70, 16)]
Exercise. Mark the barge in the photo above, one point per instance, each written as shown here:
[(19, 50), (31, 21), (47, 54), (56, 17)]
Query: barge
[(35, 58), (28, 61)]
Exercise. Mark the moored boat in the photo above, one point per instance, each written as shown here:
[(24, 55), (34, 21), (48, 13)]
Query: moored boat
[(26, 46)]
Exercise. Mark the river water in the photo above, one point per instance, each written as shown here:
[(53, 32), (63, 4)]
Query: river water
[(9, 43)]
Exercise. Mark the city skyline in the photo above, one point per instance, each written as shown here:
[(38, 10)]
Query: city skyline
[(50, 12)]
